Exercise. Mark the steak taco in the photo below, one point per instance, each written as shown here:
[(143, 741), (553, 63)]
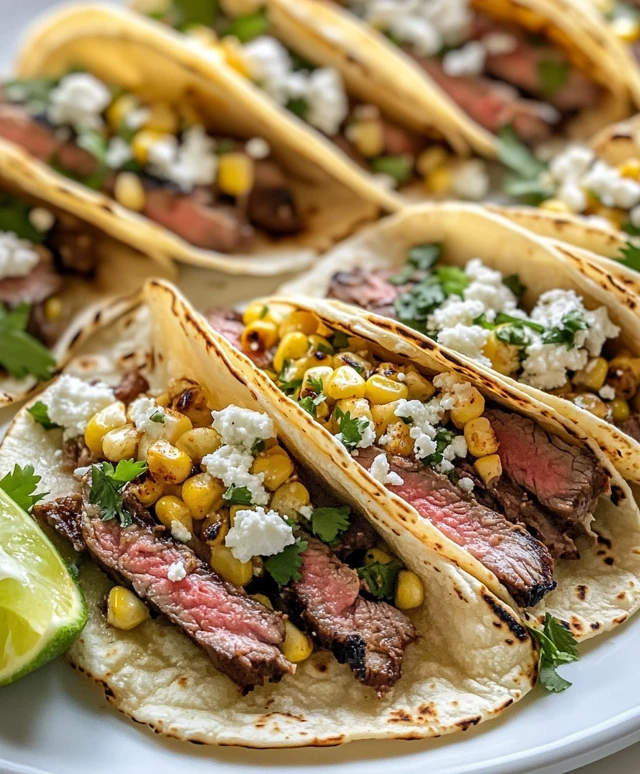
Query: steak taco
[(496, 480), (60, 278), (169, 150), (288, 608)]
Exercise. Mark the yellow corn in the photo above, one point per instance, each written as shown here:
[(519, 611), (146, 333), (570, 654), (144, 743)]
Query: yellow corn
[(100, 424), (614, 216), (319, 344), (229, 568), (290, 498), (170, 509), (167, 463), (620, 410), (383, 415), (235, 510), (377, 556), (488, 467), (263, 599), (349, 358), (192, 403), (357, 408), (480, 438), (232, 51), (432, 158), (235, 173), (438, 180), (299, 320), (624, 376), (380, 389), (176, 425), (555, 205), (345, 382), (258, 310), (469, 405), (129, 191), (119, 109), (215, 528), (626, 29), (163, 118), (292, 347), (317, 374), (143, 141), (259, 336), (297, 646), (503, 356), (202, 493), (593, 375), (199, 442), (593, 404), (120, 444), (368, 137), (419, 388), (124, 610), (409, 590), (276, 465), (53, 308), (148, 491), (397, 439), (203, 34), (630, 168)]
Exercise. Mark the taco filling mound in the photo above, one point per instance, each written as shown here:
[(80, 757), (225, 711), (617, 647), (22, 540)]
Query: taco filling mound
[(153, 158)]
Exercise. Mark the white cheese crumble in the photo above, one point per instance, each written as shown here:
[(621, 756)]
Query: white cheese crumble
[(189, 163), (176, 572), (232, 465), (380, 471), (72, 402), (257, 148), (466, 483), (306, 511), (118, 153), (607, 392), (18, 257), (179, 532), (42, 219), (468, 60), (258, 533), (140, 412), (470, 180), (242, 427), (467, 340), (79, 101)]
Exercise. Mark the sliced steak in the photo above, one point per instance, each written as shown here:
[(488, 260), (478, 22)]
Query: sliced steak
[(631, 426), (565, 479), (63, 515), (131, 385), (76, 454), (74, 247), (367, 289), (271, 206), (228, 323), (370, 637), (515, 557), (39, 285), (360, 536)]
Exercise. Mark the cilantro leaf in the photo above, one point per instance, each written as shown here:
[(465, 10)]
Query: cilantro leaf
[(237, 495), (40, 413), (248, 26), (188, 13), (553, 76), (285, 566), (158, 416), (381, 578), (33, 92), (20, 485), (14, 217), (442, 439), (557, 646), (95, 144), (21, 354), (339, 340), (503, 317), (453, 280), (351, 428), (258, 446), (419, 258), (316, 384), (107, 483), (415, 305), (630, 256), (572, 322), (531, 192), (299, 107), (512, 334), (400, 168), (516, 156), (515, 285), (310, 404), (328, 523)]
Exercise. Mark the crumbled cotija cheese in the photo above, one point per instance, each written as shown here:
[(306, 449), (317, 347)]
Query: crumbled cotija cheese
[(381, 472), (232, 465), (242, 427), (79, 101), (72, 402), (179, 532), (140, 412), (189, 163), (176, 572), (258, 533), (17, 256)]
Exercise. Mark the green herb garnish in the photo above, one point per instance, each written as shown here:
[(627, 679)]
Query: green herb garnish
[(524, 183), (328, 523), (158, 416), (630, 256), (249, 26), (351, 428), (237, 495), (21, 354), (557, 647), (400, 168), (285, 566), (20, 485), (381, 578), (14, 217), (299, 107), (107, 484), (515, 285), (571, 323), (553, 76), (40, 413), (32, 92), (189, 13)]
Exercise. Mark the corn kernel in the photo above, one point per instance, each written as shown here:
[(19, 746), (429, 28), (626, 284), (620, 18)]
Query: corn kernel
[(53, 308), (162, 118), (170, 509), (176, 424), (299, 320), (167, 463), (263, 599), (377, 556), (626, 29), (430, 159), (438, 180), (148, 491), (397, 439), (202, 493), (348, 358), (419, 388), (120, 444), (368, 137), (124, 610), (215, 528), (292, 347), (630, 168), (489, 467), (555, 205), (593, 404), (297, 646), (229, 568), (235, 174), (469, 405), (289, 499), (100, 424), (620, 410), (380, 389), (192, 404), (358, 408), (345, 382), (259, 336), (203, 34), (276, 466), (480, 438), (129, 191), (119, 109), (614, 216), (503, 356), (199, 442), (593, 376), (258, 310), (319, 344), (624, 376), (143, 141), (232, 51), (317, 374), (409, 590), (383, 415)]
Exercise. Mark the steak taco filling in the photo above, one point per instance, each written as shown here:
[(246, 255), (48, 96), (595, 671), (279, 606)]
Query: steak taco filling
[(204, 517), (152, 158), (493, 481)]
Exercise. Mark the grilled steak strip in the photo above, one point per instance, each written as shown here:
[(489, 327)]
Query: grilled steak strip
[(228, 323), (370, 290), (515, 557), (370, 637), (63, 515), (631, 426), (359, 537), (131, 385)]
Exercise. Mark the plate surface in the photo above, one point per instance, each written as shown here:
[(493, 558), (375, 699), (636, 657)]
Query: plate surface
[(55, 722)]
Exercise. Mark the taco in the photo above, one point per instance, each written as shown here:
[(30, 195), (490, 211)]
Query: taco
[(168, 150), (60, 278), (223, 523), (501, 483)]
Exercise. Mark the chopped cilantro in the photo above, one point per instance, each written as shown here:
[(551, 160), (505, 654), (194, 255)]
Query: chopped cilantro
[(188, 13), (351, 428), (381, 578), (339, 340), (95, 144), (40, 412), (316, 384), (502, 318), (557, 646), (226, 145), (20, 485), (14, 217), (400, 168), (630, 256), (107, 484), (328, 523), (158, 416), (515, 285), (310, 404), (285, 566), (21, 354), (442, 439), (524, 183), (415, 305), (237, 495), (258, 446), (263, 312), (419, 258), (33, 92), (72, 567), (248, 26), (512, 334), (299, 107), (452, 279), (553, 76), (572, 322)]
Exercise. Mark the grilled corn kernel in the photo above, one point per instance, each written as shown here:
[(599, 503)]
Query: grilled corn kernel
[(235, 173), (233, 53), (620, 410), (480, 438), (624, 376), (297, 646), (235, 510), (129, 191), (377, 556), (384, 415), (409, 590), (593, 375), (630, 168), (345, 382), (489, 467), (53, 308), (276, 465), (167, 463), (229, 568), (215, 528), (176, 424), (299, 320), (380, 389), (503, 356), (319, 344), (555, 205), (163, 118), (199, 442), (202, 493), (193, 404), (143, 141), (317, 374), (119, 109), (124, 610), (593, 404), (357, 407), (170, 509), (626, 28), (431, 158), (101, 423), (419, 388), (258, 310), (263, 599), (289, 499), (148, 491), (120, 444), (438, 180), (397, 439), (368, 137), (469, 405), (292, 347), (361, 364), (259, 336)]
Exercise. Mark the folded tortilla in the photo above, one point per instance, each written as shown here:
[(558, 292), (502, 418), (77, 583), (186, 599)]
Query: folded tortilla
[(473, 658)]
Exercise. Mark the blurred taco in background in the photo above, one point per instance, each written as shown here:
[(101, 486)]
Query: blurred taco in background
[(294, 609), (60, 278), (169, 150)]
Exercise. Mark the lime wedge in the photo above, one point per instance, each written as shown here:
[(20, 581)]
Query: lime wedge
[(42, 609)]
